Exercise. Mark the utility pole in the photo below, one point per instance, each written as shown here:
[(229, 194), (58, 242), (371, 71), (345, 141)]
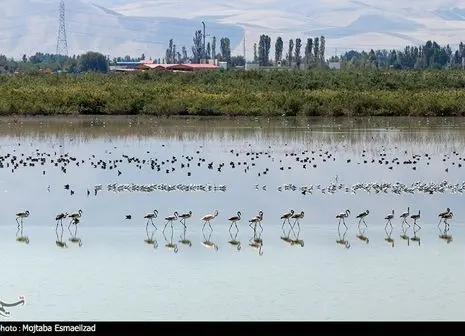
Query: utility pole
[(203, 45)]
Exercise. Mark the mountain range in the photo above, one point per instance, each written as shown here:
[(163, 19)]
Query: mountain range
[(122, 27)]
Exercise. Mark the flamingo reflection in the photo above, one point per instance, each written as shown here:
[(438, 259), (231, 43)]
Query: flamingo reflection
[(404, 227), (169, 244), (444, 235), (342, 238), (207, 242), (388, 228), (20, 237), (297, 240), (59, 242), (256, 241), (151, 240), (184, 240), (73, 236), (233, 238), (286, 236)]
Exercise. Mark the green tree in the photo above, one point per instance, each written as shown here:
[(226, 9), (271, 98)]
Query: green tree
[(93, 61), (278, 50), (197, 48), (214, 47), (289, 52), (298, 46), (225, 46), (322, 51), (308, 53)]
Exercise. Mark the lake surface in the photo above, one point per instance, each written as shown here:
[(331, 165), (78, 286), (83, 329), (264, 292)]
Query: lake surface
[(321, 167)]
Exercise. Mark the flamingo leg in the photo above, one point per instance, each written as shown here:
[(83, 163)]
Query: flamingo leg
[(164, 228), (210, 225), (235, 224), (153, 224), (344, 222), (365, 222), (204, 223)]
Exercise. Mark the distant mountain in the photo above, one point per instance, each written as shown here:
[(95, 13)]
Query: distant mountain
[(122, 27)]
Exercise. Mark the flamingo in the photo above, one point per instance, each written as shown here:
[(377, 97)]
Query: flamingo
[(404, 216), (448, 216), (442, 214), (182, 217), (59, 218), (287, 215), (416, 217), (362, 216), (74, 215), (234, 219), (342, 216), (297, 217), (208, 218), (22, 215), (170, 219), (389, 218), (150, 216), (257, 220)]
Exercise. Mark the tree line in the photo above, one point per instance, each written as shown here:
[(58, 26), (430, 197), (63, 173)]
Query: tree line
[(292, 53)]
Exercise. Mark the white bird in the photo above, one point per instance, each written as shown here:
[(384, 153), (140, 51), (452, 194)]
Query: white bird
[(22, 215), (257, 220), (234, 219), (208, 218), (389, 218), (442, 214), (183, 217), (150, 216), (297, 217), (59, 218), (404, 216), (342, 216), (170, 219), (416, 217), (362, 216), (286, 216), (74, 216), (448, 216)]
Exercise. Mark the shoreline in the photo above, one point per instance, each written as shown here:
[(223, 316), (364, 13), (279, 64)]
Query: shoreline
[(232, 94)]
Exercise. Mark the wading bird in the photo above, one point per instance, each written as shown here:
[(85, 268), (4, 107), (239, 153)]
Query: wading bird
[(297, 217), (182, 217), (257, 220), (59, 218), (207, 218), (150, 216), (362, 216), (75, 215), (234, 219), (404, 216), (286, 216), (389, 218), (22, 215), (442, 214), (170, 219), (416, 217), (342, 216)]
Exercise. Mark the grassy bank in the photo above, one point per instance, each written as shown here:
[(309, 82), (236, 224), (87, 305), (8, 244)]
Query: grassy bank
[(267, 93)]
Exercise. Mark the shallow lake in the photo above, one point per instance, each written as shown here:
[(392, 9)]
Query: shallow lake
[(114, 168)]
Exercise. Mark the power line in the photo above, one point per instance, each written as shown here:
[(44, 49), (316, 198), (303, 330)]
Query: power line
[(62, 44)]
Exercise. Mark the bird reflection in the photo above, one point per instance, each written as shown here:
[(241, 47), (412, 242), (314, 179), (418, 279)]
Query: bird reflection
[(207, 241), (415, 238), (361, 233), (256, 240), (342, 238), (169, 244), (20, 237), (184, 240), (150, 240), (233, 237), (444, 235), (405, 226), (388, 229), (73, 236), (59, 242), (286, 236), (297, 240)]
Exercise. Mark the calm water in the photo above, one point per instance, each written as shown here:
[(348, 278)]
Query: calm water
[(115, 275)]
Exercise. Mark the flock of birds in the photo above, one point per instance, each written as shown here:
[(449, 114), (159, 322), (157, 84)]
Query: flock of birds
[(248, 159), (254, 223)]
